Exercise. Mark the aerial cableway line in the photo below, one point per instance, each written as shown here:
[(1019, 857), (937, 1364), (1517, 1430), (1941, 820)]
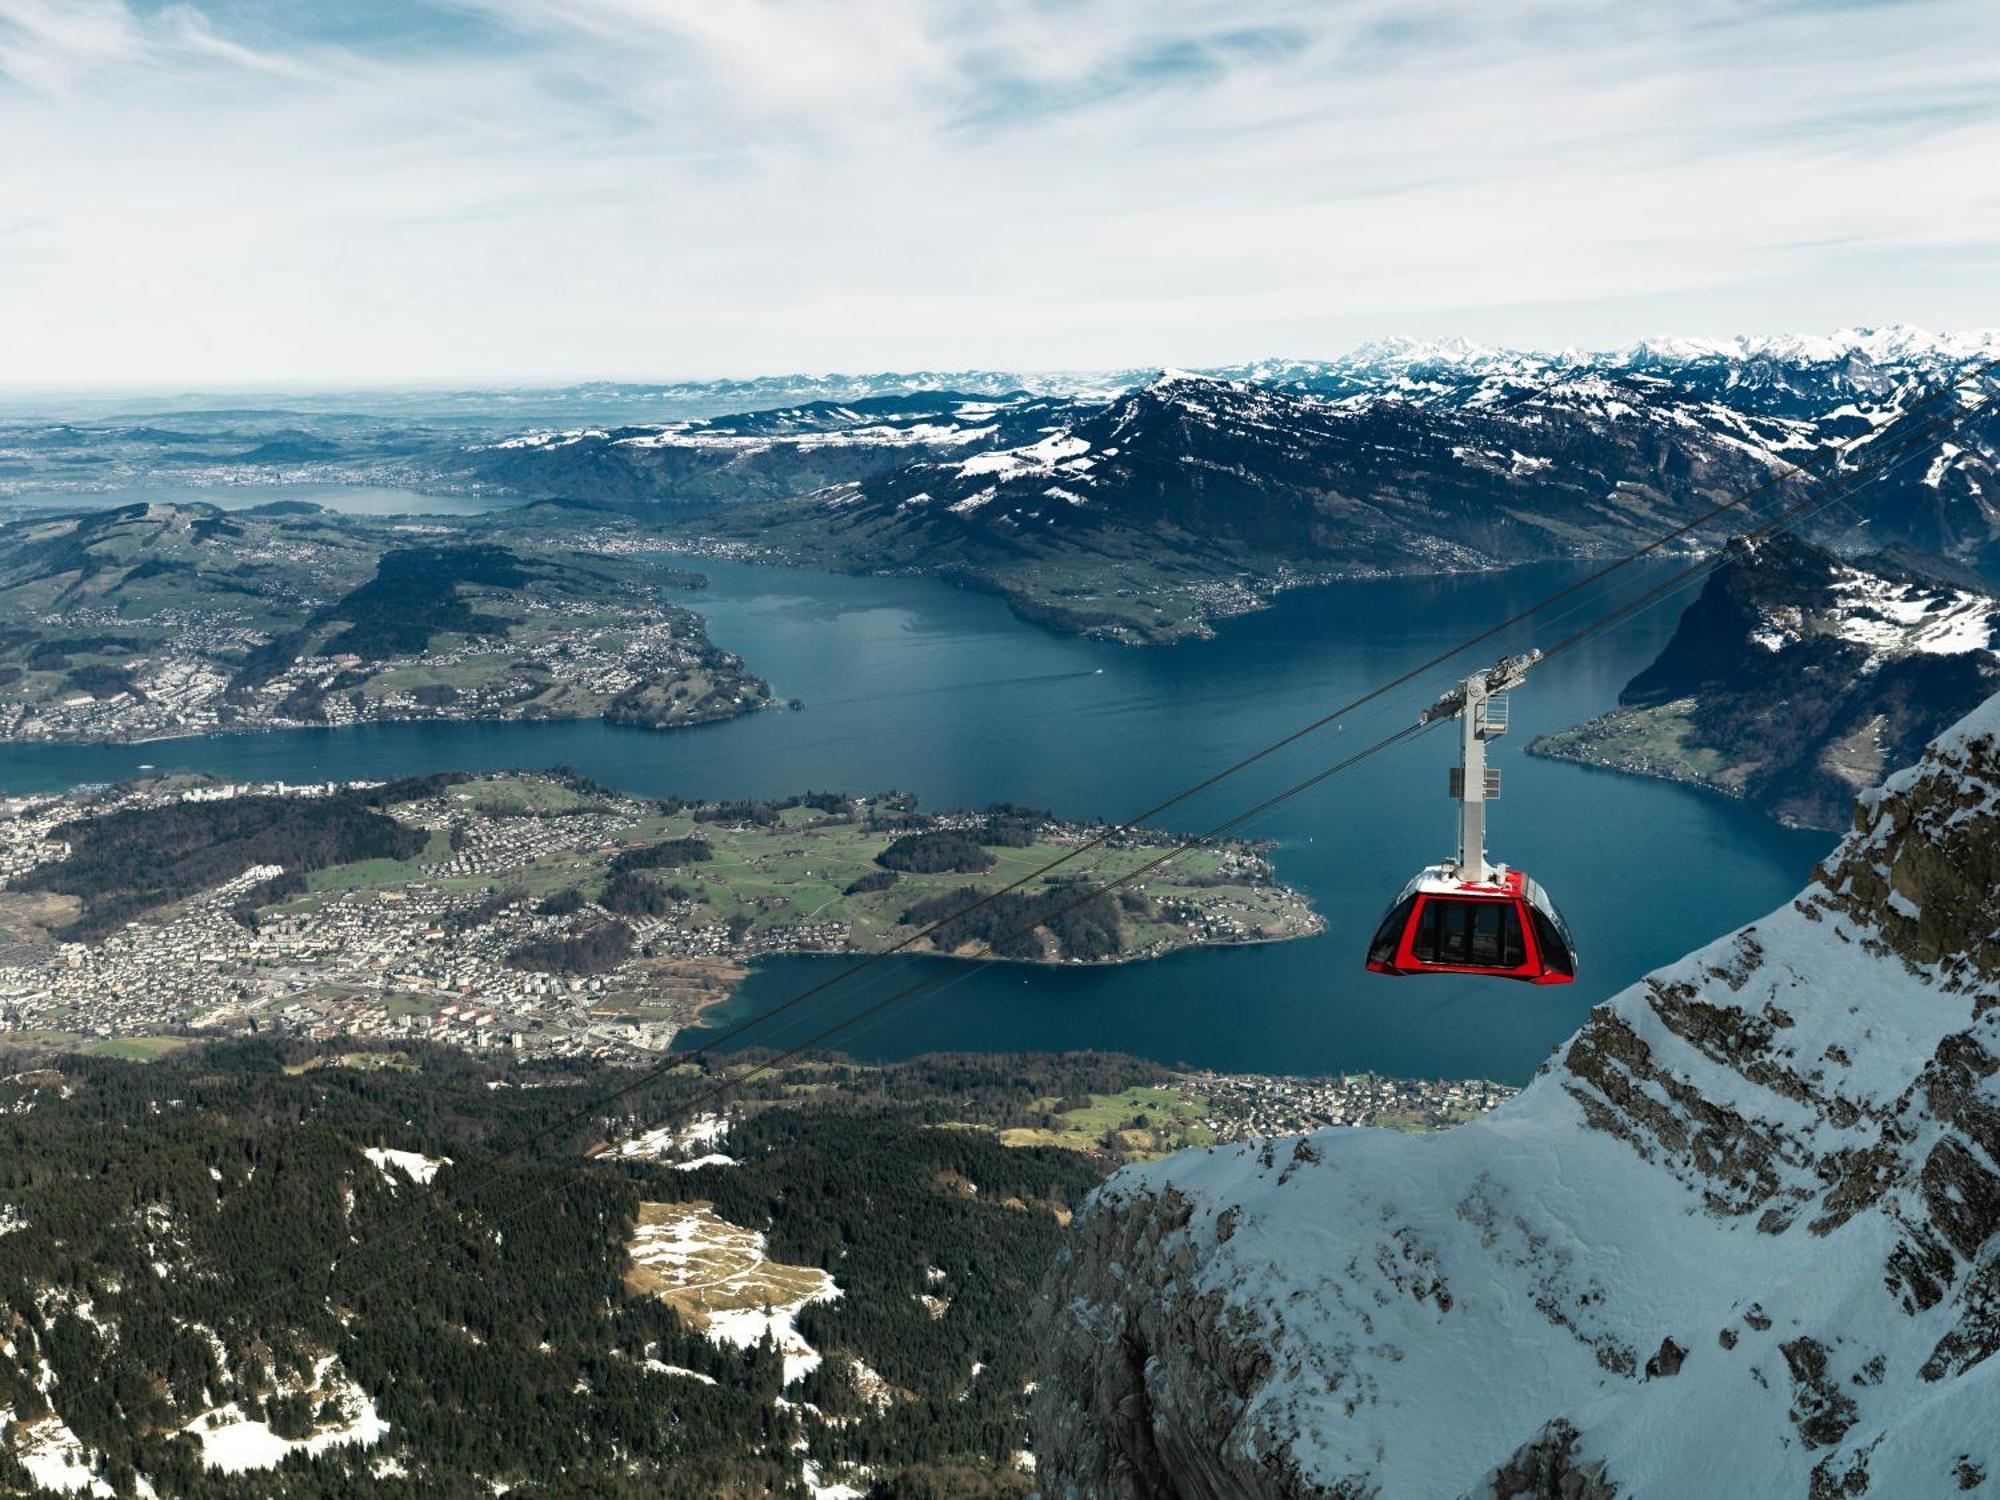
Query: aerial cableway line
[(1147, 815), (1813, 501), (1872, 466)]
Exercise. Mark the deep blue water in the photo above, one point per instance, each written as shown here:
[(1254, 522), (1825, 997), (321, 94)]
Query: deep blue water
[(913, 685)]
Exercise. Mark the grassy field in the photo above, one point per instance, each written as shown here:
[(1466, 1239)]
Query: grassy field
[(377, 874), (500, 796), (798, 871), (686, 1255), (1655, 741), (1146, 1120), (137, 1048)]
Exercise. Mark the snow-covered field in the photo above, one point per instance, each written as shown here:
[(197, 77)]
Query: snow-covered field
[(722, 1278), (232, 1442), (1891, 617), (53, 1456), (681, 1144), (399, 1166)]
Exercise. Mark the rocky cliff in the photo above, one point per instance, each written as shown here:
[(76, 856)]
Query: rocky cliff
[(1798, 678), (1741, 1236)]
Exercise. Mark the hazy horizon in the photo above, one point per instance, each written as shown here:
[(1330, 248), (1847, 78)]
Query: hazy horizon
[(450, 384)]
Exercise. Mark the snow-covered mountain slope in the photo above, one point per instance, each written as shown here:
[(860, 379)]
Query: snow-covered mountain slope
[(1799, 375), (1740, 1237), (1933, 480), (1776, 395), (1237, 469), (763, 454), (1790, 375), (1779, 592)]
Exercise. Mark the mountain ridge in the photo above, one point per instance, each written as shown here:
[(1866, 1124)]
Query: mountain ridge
[(1797, 677)]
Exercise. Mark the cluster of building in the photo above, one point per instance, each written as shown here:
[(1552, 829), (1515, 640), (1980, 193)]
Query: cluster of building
[(458, 951), (568, 657), (1249, 1106), (1222, 919), (492, 846), (410, 961), (431, 959), (383, 964), (179, 686)]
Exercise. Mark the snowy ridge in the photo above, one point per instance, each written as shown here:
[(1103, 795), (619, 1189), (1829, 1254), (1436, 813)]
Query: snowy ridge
[(1891, 617), (400, 1166), (903, 410), (924, 420), (1742, 1237), (1377, 475)]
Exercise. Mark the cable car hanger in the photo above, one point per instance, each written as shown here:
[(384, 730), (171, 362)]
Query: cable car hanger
[(1468, 915)]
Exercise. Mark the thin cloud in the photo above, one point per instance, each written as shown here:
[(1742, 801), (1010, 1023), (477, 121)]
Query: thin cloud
[(520, 188)]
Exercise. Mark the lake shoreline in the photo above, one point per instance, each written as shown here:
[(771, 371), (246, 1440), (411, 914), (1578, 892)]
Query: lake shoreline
[(941, 693)]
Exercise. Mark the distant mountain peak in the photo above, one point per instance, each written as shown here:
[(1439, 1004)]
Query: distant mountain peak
[(1451, 350), (1169, 380), (1892, 344)]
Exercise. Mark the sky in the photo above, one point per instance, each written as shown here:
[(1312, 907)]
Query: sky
[(330, 191)]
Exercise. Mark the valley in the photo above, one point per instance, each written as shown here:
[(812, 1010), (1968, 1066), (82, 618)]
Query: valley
[(941, 692)]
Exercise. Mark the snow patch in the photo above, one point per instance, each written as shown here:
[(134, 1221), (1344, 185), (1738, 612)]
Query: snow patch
[(233, 1443), (721, 1277), (676, 1142), (411, 1165), (54, 1457)]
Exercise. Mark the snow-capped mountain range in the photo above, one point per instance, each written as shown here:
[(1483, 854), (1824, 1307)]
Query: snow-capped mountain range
[(1235, 467), (1900, 349), (1399, 457), (1740, 1237), (1771, 398)]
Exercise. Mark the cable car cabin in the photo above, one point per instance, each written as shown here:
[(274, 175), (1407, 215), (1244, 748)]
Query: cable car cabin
[(1503, 929), (1469, 916)]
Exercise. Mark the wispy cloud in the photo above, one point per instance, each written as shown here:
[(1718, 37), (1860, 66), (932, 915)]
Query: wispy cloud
[(489, 188)]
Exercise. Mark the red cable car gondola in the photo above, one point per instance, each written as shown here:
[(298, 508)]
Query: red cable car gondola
[(1467, 916)]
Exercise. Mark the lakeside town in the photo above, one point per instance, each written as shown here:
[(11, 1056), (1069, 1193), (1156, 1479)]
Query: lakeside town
[(484, 938), (566, 659)]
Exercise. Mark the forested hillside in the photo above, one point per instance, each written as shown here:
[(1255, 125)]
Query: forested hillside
[(207, 1244)]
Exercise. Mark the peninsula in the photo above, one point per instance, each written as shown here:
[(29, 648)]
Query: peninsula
[(541, 913)]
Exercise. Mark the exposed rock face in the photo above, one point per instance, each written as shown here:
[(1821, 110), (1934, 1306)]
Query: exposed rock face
[(1742, 1237), (1798, 679)]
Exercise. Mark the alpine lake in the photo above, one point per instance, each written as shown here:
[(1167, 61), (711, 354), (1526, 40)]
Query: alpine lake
[(910, 684)]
